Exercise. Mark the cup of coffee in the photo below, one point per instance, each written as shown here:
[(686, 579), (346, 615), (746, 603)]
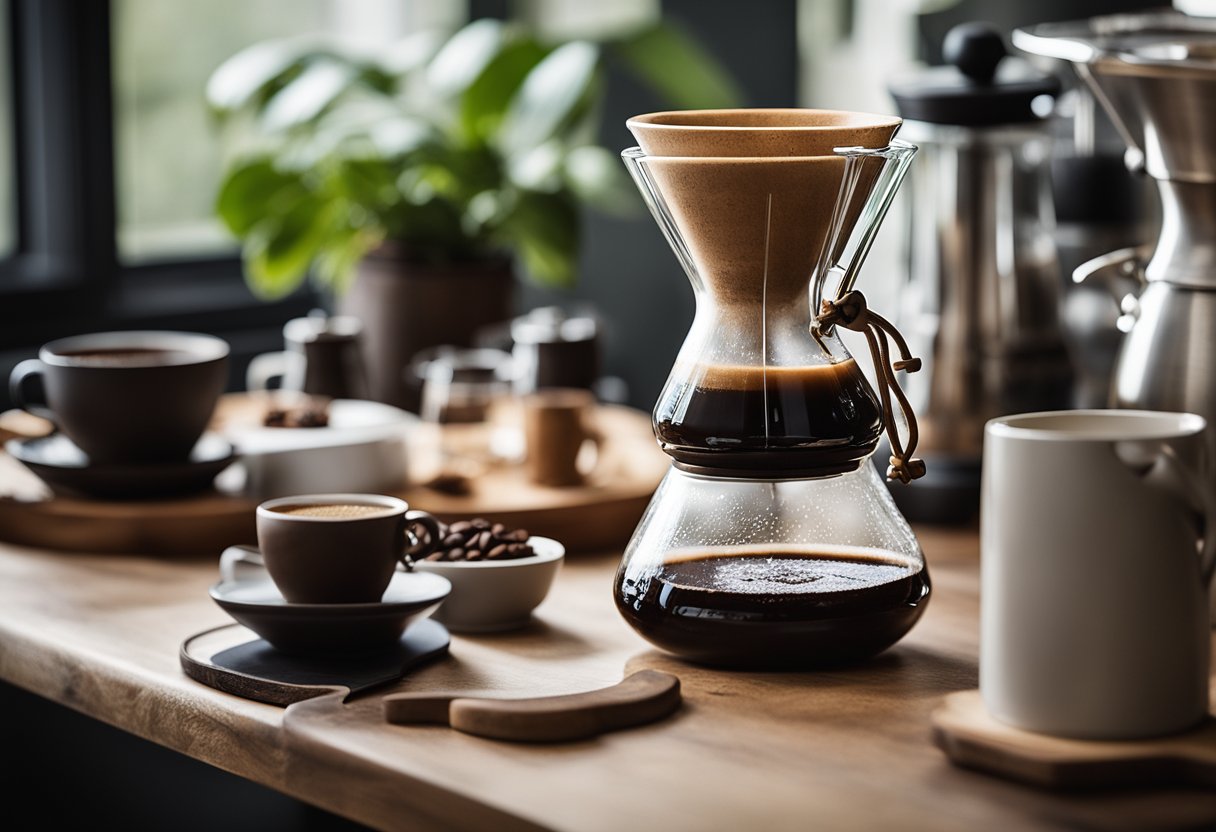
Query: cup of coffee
[(556, 429), (126, 397), (1098, 541), (340, 548)]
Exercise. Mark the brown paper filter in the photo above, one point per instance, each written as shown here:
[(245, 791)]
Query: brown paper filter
[(753, 192)]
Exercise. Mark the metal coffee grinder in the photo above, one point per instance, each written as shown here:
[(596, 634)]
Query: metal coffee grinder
[(1155, 75)]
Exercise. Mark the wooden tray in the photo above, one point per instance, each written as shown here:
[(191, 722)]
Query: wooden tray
[(973, 739), (599, 515)]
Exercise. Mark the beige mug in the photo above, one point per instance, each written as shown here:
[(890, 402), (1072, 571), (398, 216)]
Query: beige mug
[(1098, 541), (556, 430)]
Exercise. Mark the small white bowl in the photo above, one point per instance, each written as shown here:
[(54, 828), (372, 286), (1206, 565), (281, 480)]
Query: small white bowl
[(494, 595)]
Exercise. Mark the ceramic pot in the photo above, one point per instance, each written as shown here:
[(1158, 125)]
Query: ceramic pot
[(407, 306)]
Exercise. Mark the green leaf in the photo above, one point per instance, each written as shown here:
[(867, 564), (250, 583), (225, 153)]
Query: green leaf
[(250, 192), (679, 68), (254, 74), (465, 56), (550, 97), (544, 231), (305, 97), (335, 264), (278, 252), (485, 100), (596, 176), (411, 52), (538, 169)]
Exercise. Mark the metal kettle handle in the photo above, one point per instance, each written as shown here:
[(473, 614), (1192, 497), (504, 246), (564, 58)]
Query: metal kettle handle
[(1122, 263), (1112, 271)]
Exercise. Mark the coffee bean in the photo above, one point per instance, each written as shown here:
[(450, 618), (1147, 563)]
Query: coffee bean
[(479, 539)]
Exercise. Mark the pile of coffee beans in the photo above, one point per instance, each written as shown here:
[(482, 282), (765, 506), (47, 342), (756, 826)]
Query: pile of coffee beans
[(479, 539)]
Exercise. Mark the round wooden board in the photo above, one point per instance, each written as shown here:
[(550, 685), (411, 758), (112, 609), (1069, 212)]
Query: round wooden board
[(598, 515)]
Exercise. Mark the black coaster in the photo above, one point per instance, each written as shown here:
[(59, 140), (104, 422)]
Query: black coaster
[(234, 660)]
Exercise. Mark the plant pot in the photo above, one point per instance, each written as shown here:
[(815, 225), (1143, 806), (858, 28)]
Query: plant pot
[(407, 306)]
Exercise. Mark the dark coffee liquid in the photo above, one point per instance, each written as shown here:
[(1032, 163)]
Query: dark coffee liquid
[(776, 609), (780, 417), (128, 357)]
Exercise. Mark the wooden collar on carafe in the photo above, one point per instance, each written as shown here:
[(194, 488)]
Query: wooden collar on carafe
[(851, 312)]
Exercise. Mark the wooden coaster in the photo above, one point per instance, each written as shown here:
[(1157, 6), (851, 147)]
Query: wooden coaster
[(972, 738), (234, 660)]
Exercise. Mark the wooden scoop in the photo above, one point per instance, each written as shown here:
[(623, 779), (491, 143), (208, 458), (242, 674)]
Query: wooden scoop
[(645, 696), (17, 424)]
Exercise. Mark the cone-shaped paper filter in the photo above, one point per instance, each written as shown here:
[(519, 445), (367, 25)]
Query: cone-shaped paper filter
[(752, 192)]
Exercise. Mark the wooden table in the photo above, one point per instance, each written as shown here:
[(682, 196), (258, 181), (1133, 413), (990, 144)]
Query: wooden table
[(832, 750)]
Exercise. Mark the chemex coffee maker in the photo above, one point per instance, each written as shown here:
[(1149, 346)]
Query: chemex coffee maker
[(772, 541), (1155, 75)]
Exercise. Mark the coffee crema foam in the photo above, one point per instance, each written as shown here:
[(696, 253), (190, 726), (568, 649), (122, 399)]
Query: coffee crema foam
[(129, 357), (334, 511)]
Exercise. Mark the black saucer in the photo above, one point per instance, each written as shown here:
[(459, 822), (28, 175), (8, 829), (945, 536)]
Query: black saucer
[(226, 659), (66, 469), (316, 629)]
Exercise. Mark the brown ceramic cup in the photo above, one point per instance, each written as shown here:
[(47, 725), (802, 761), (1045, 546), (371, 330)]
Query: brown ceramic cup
[(556, 428), (340, 548), (126, 397)]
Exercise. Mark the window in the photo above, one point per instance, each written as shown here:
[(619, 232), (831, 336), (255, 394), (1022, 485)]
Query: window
[(167, 155)]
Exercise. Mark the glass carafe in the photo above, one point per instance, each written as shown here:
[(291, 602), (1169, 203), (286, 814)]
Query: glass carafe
[(772, 541)]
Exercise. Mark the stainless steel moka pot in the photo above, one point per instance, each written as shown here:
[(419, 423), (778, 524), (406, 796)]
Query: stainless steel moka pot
[(1155, 75), (981, 305)]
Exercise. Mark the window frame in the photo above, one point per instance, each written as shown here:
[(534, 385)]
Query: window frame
[(64, 275)]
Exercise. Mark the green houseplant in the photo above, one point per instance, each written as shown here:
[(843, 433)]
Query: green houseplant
[(424, 172)]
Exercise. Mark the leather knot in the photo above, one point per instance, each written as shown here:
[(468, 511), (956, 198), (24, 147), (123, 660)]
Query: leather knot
[(851, 311)]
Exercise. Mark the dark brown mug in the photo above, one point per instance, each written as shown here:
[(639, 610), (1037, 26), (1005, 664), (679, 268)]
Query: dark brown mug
[(340, 548), (323, 358), (126, 397)]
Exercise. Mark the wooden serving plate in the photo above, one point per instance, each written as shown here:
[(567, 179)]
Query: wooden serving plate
[(599, 515)]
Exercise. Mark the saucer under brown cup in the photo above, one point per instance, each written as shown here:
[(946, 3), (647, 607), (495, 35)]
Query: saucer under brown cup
[(340, 548), (126, 397)]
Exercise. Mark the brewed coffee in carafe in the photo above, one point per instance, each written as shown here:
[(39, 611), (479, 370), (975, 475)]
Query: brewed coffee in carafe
[(772, 541)]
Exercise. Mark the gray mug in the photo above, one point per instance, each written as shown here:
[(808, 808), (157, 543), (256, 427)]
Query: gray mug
[(1098, 541)]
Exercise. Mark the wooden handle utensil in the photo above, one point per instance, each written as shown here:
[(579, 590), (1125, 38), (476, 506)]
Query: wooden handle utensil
[(645, 696)]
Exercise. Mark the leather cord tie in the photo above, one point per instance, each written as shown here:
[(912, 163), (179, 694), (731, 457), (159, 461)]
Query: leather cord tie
[(851, 312)]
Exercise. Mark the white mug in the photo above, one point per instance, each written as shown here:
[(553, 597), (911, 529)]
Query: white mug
[(1098, 538)]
